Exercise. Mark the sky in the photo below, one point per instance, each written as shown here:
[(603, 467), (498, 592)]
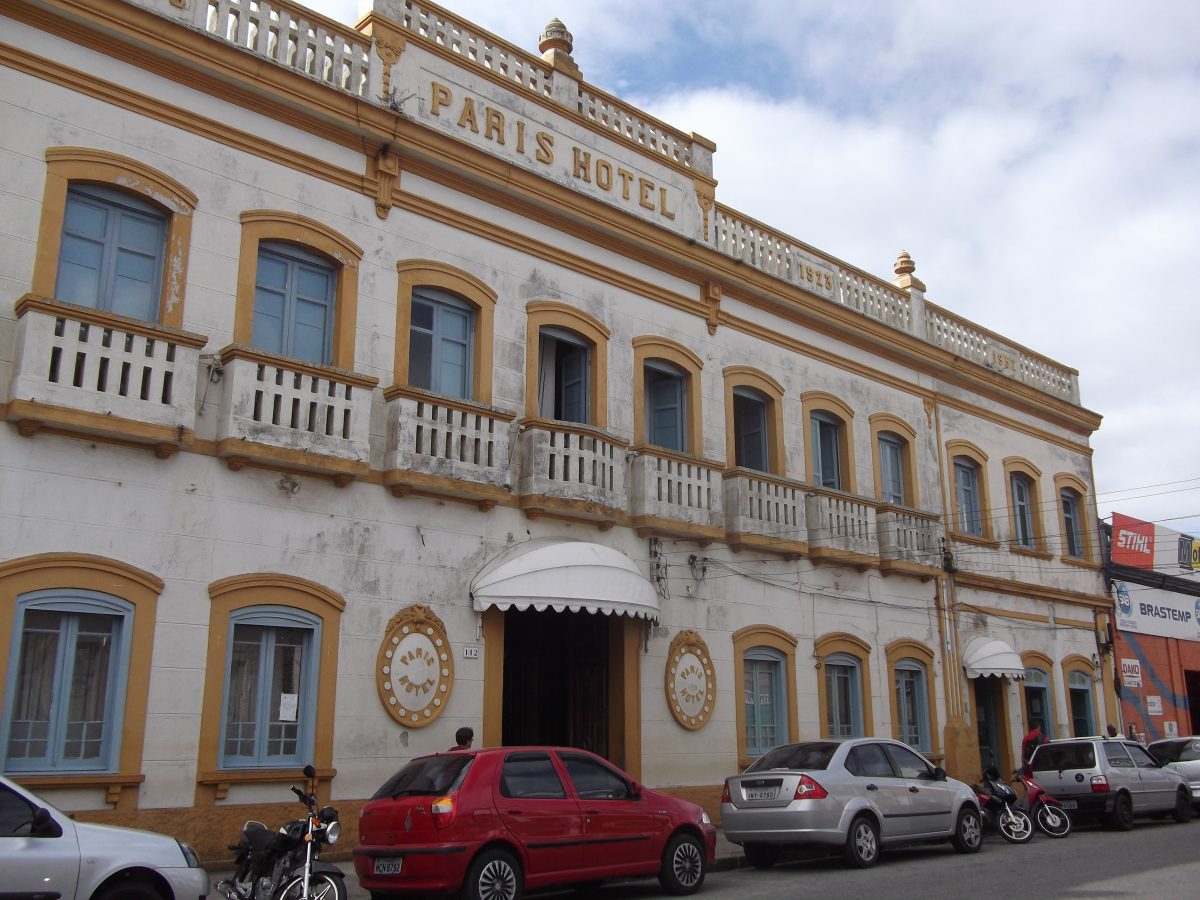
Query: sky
[(1040, 161)]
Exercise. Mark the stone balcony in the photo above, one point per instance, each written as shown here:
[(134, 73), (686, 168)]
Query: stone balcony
[(675, 495), (282, 413), (447, 447), (90, 372), (764, 512), (572, 471), (841, 528), (908, 541)]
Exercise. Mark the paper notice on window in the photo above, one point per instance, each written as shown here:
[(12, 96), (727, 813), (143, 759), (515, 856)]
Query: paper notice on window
[(287, 707)]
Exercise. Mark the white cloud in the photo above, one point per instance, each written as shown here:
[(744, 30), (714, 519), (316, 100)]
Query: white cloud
[(1041, 162)]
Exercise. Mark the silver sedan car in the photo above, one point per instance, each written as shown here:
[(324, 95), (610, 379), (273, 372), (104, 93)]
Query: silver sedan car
[(859, 795), (46, 853), (1181, 755)]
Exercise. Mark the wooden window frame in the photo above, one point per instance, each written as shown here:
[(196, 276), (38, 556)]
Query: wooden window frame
[(1070, 665), (1066, 481), (553, 314), (772, 392), (821, 402), (772, 638), (841, 642), (886, 423), (650, 347), (955, 450), (907, 648), (1034, 659)]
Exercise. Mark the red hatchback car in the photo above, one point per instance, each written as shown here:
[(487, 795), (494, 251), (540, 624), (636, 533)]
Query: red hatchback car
[(492, 823)]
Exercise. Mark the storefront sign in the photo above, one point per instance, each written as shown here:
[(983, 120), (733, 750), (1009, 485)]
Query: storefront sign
[(1153, 611), (1132, 542), (690, 681), (1189, 553), (414, 670), (1154, 705), (1131, 672)]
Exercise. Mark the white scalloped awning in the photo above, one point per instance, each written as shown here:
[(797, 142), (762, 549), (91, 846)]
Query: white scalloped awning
[(565, 575), (991, 656)]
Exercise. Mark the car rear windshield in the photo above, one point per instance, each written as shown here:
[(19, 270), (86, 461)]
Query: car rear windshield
[(813, 756), (433, 775), (1057, 757), (1176, 751)]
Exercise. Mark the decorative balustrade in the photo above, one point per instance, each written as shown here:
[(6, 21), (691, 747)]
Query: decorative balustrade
[(312, 418), (675, 494), (612, 115), (481, 49), (764, 511), (969, 341), (874, 299), (571, 468), (908, 538), (104, 374), (293, 36), (841, 527), (463, 445)]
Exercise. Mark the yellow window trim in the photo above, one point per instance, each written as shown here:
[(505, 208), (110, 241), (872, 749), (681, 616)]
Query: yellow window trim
[(276, 225), (414, 273), (648, 347), (907, 648), (1016, 465), (886, 422), (67, 165), (746, 639), (748, 377), (821, 401), (49, 571), (960, 448), (843, 642), (1086, 514), (267, 589), (542, 313)]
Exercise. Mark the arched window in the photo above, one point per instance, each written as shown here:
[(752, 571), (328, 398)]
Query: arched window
[(666, 395), (294, 295), (912, 703), (270, 687), (750, 441), (829, 441), (564, 375), (827, 456), (1083, 718), (843, 696), (70, 660), (765, 701), (754, 420), (1072, 523), (967, 494), (666, 405), (1038, 708)]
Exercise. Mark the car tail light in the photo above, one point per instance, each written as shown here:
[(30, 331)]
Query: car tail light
[(1099, 784), (726, 797), (443, 810), (808, 789)]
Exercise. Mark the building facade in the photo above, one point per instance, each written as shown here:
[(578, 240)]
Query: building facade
[(365, 382), (1152, 572)]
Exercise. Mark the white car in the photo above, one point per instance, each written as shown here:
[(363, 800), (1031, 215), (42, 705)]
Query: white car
[(45, 853)]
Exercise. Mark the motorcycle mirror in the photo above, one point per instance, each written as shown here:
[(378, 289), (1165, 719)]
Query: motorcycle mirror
[(309, 772)]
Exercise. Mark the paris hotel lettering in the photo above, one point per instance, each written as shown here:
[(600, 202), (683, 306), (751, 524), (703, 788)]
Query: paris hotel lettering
[(491, 124)]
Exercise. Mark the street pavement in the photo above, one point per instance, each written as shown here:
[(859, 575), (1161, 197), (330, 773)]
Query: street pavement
[(1155, 860)]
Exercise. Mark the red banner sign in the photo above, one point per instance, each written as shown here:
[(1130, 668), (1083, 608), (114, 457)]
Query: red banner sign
[(1133, 542)]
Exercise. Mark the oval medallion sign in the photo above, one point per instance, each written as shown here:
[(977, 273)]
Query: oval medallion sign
[(691, 684), (415, 668)]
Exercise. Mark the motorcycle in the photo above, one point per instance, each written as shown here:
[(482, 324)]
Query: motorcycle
[(285, 864), (1046, 809), (997, 802)]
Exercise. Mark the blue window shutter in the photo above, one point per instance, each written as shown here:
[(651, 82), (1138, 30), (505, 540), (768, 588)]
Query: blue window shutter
[(750, 430), (665, 408), (293, 303), (891, 469), (827, 463), (111, 252), (441, 341)]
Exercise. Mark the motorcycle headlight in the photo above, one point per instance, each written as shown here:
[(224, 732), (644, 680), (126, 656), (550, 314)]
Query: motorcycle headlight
[(333, 831), (189, 855)]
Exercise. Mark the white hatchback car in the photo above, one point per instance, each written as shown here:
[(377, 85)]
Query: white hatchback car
[(45, 853)]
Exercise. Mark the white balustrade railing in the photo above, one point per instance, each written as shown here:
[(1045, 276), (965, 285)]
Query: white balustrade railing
[(908, 536), (436, 25), (295, 406), (764, 506), (874, 299), (612, 115), (447, 437), (570, 462), (95, 362), (667, 486), (292, 36), (840, 522), (969, 341)]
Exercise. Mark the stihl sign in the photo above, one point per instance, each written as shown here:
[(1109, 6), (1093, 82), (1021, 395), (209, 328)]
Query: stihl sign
[(1133, 542)]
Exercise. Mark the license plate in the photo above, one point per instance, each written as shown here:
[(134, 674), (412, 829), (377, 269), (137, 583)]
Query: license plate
[(390, 866), (762, 794), (1069, 804)]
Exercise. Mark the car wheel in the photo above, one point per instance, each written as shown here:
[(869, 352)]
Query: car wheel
[(494, 875), (862, 843), (761, 856), (683, 865), (1121, 817), (1183, 806), (129, 890), (968, 831)]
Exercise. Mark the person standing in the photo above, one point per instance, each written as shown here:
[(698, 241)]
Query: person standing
[(1032, 741)]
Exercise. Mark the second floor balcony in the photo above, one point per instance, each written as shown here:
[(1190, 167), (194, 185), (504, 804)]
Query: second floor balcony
[(572, 470), (764, 512), (908, 541), (676, 495), (92, 372), (841, 528), (282, 413)]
